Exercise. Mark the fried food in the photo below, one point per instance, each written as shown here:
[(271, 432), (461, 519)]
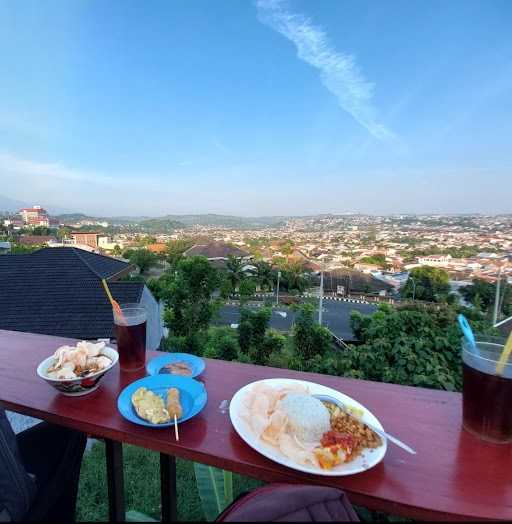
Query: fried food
[(350, 424), (177, 368), (173, 403), (150, 406), (78, 361)]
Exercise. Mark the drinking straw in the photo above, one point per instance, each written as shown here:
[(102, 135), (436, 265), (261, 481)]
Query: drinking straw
[(468, 333), (115, 304), (176, 434), (505, 354)]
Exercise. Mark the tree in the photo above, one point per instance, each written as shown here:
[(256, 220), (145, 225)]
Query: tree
[(222, 343), (117, 251), (41, 231), (408, 345), (379, 260), (482, 295), (252, 333), (309, 338), (64, 232), (187, 294), (142, 258), (146, 240), (246, 289), (294, 276), (18, 249), (225, 288), (174, 251), (265, 275), (427, 283), (234, 267)]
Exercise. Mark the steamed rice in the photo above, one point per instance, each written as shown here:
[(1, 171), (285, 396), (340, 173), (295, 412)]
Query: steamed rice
[(307, 416)]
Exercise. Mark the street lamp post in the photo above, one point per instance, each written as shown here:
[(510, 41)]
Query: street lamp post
[(321, 298), (277, 290), (413, 287)]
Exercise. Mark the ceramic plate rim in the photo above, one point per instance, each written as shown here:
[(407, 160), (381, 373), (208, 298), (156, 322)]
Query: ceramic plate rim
[(241, 427), (141, 382)]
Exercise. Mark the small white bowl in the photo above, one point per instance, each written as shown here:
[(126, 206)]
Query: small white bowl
[(76, 387)]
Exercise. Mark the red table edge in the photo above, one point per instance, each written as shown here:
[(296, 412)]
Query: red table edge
[(357, 498)]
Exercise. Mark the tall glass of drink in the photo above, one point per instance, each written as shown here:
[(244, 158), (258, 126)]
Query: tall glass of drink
[(486, 396), (130, 329)]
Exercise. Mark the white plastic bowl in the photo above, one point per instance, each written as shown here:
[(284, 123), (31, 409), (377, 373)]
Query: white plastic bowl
[(76, 387)]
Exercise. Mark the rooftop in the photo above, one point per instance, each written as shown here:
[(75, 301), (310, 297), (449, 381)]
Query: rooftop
[(58, 291)]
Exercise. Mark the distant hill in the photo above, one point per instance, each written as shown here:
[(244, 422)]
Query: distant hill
[(9, 205), (155, 224), (227, 220)]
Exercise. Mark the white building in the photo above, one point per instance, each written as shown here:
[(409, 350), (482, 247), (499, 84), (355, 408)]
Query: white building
[(435, 260)]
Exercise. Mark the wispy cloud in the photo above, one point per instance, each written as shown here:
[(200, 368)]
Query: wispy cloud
[(19, 166), (338, 71)]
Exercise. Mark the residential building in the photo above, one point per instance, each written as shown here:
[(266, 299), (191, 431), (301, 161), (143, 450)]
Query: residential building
[(36, 240), (435, 260), (217, 253), (86, 239), (35, 216)]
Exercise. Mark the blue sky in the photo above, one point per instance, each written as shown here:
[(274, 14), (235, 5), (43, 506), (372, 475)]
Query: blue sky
[(257, 107)]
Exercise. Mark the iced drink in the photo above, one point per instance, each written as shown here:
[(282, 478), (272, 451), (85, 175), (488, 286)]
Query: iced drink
[(486, 396), (130, 329)]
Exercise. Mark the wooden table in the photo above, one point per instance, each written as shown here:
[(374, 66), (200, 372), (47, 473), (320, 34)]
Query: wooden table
[(454, 476)]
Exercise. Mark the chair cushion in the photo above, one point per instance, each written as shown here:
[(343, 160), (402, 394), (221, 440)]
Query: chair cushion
[(291, 503)]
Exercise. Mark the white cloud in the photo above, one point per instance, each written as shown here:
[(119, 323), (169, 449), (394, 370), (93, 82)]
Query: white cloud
[(338, 71), (15, 165)]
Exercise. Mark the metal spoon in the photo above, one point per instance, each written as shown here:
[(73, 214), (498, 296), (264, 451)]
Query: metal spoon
[(380, 432)]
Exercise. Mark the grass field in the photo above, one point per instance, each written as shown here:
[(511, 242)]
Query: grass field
[(142, 485), (142, 488)]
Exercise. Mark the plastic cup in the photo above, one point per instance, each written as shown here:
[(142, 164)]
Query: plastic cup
[(486, 396), (130, 329)]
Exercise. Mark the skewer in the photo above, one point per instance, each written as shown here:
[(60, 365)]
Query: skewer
[(176, 434)]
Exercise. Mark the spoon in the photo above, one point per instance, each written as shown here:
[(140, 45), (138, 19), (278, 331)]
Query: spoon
[(468, 333), (380, 432)]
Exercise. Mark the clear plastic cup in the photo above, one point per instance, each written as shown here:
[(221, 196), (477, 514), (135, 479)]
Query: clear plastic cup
[(486, 396), (130, 329)]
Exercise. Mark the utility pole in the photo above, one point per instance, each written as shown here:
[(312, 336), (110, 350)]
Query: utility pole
[(321, 297), (277, 294), (497, 299), (413, 287)]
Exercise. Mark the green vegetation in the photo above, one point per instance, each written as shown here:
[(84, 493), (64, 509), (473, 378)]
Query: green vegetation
[(246, 289), (142, 258), (265, 276), (187, 293), (427, 283), (175, 250), (310, 340), (18, 249), (142, 486), (294, 276), (482, 295), (379, 260)]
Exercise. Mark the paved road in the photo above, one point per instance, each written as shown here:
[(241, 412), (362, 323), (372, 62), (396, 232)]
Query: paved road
[(336, 317)]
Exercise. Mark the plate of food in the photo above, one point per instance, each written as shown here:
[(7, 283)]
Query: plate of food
[(77, 370), (284, 420), (153, 401), (176, 364)]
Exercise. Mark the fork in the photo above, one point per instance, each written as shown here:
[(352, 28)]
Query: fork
[(380, 432)]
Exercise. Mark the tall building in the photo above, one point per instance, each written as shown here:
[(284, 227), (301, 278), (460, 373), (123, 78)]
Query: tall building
[(35, 216)]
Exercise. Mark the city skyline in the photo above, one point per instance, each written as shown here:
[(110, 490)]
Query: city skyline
[(259, 108)]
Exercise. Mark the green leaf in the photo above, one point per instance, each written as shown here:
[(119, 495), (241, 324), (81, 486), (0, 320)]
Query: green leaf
[(215, 488)]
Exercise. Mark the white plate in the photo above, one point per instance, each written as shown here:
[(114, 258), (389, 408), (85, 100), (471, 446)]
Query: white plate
[(367, 459)]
